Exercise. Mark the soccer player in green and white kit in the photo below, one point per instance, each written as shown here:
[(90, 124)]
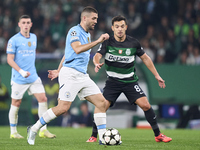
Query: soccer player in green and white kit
[(120, 51)]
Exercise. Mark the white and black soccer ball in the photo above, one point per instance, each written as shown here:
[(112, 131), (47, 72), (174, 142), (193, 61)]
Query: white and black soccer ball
[(111, 137)]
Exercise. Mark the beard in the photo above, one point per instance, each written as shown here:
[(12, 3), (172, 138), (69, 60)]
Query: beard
[(90, 26)]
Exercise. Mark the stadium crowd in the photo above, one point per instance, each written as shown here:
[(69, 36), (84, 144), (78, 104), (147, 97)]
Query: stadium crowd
[(169, 30)]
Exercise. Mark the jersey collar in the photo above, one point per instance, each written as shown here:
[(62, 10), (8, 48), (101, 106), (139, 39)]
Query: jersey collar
[(82, 28)]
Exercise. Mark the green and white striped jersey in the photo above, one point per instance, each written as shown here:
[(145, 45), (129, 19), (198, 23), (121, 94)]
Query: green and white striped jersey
[(120, 58)]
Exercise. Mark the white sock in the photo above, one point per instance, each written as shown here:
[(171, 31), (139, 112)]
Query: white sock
[(100, 121), (42, 108), (46, 118), (13, 118)]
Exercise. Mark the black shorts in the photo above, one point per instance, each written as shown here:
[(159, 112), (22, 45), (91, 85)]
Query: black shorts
[(114, 88)]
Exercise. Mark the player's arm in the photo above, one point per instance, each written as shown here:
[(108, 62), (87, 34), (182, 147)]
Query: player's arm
[(148, 62), (11, 62), (54, 73), (96, 60), (79, 48)]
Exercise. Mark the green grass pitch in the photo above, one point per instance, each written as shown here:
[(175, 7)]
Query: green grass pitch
[(74, 139)]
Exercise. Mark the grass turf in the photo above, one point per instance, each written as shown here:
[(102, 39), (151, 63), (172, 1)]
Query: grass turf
[(74, 139)]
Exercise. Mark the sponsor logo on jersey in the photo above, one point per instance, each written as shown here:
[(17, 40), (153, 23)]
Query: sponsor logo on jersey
[(120, 51), (110, 50), (74, 38), (73, 33), (128, 52), (29, 44), (116, 58)]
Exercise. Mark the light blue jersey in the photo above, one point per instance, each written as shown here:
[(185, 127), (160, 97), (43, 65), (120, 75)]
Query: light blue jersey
[(24, 50), (73, 60)]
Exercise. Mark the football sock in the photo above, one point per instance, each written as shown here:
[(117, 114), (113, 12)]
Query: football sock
[(151, 118), (13, 118), (100, 121), (46, 118), (42, 108), (94, 130)]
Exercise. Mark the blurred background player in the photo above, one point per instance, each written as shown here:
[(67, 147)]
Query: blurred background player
[(21, 51), (73, 78), (120, 52)]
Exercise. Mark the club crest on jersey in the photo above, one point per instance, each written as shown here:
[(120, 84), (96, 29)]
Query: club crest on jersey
[(88, 39), (120, 51), (67, 94), (34, 43), (29, 44), (128, 52), (73, 33), (16, 93)]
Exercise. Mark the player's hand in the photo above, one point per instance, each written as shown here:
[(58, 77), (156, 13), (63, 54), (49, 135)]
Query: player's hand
[(97, 67), (161, 82), (24, 74), (103, 37), (53, 74)]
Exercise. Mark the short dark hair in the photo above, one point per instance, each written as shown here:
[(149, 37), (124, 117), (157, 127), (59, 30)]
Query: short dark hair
[(24, 16), (118, 18), (89, 9)]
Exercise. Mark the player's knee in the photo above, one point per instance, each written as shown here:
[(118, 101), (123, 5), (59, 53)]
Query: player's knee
[(63, 108), (146, 107), (43, 99), (102, 105), (108, 103)]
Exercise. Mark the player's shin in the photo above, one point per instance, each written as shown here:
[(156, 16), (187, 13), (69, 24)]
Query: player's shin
[(13, 118), (42, 108), (46, 118), (151, 118), (100, 121)]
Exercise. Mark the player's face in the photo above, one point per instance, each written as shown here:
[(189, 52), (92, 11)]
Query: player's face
[(91, 21), (25, 25), (119, 28)]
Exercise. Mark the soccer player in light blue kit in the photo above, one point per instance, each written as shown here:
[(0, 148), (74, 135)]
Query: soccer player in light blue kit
[(21, 50), (73, 78)]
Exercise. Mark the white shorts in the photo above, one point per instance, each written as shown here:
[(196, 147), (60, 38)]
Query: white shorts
[(73, 82), (18, 90)]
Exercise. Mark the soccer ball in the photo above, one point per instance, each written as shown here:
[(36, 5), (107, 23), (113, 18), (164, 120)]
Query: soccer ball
[(111, 137)]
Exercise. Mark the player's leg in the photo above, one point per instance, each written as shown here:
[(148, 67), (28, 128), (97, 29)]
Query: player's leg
[(111, 92), (93, 137), (149, 114), (151, 118), (37, 89), (67, 93), (17, 92), (99, 112), (13, 118), (50, 114), (136, 95), (42, 108)]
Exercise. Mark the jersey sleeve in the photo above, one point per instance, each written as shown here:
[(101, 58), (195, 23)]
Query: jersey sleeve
[(74, 35), (102, 48), (140, 50), (11, 47)]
